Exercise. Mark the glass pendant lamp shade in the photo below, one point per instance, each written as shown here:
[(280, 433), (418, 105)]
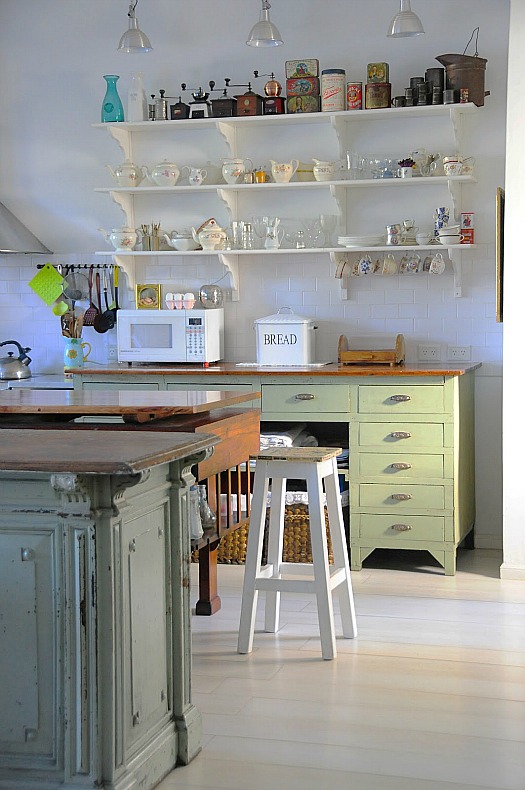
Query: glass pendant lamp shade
[(134, 40), (264, 33), (405, 23)]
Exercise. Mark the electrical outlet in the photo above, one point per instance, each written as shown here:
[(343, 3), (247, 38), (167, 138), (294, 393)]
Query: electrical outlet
[(428, 353), (112, 352), (459, 353)]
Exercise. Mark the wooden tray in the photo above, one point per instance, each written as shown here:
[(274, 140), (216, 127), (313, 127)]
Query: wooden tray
[(394, 356)]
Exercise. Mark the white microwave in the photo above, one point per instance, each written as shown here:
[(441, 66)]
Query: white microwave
[(170, 335)]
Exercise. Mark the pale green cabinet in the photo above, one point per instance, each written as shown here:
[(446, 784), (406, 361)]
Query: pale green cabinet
[(411, 442)]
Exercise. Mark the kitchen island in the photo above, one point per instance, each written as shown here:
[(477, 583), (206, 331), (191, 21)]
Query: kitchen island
[(195, 411), (409, 430), (95, 655)]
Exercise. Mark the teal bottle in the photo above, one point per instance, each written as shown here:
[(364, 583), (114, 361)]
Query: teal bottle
[(112, 109)]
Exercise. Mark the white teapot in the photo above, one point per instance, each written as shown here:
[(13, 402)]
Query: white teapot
[(234, 169), (283, 171), (210, 235), (165, 174), (323, 171), (123, 239), (183, 241), (127, 174)]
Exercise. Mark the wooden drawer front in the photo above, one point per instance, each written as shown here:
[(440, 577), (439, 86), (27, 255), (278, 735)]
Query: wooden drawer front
[(401, 399), (402, 435), (305, 398), (404, 528), (402, 465), (204, 385), (402, 497)]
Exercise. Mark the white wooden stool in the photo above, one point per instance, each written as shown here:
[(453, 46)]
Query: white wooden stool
[(313, 464)]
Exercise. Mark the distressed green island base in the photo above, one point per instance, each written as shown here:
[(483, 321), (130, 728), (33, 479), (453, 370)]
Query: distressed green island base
[(409, 430), (95, 650)]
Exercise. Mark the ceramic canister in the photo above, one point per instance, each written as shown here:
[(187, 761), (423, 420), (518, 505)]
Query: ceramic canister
[(333, 94)]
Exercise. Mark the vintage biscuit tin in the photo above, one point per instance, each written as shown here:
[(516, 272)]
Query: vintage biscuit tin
[(354, 95), (301, 68), (302, 86), (467, 236), (302, 104), (333, 90), (285, 338), (377, 95), (377, 72)]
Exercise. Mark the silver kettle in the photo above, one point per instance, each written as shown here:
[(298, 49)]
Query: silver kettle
[(12, 367)]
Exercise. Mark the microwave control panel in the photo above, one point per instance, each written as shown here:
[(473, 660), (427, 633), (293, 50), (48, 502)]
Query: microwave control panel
[(195, 339)]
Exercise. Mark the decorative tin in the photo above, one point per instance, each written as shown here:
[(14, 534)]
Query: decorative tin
[(285, 338), (302, 104), (354, 95), (467, 227), (301, 68), (302, 86), (377, 95), (467, 236), (377, 72), (333, 93), (463, 95)]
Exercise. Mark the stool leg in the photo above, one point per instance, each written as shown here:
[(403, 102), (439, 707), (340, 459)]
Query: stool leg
[(320, 563), (337, 533), (253, 559), (275, 551)]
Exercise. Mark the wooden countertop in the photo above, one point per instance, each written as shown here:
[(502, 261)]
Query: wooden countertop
[(231, 369), (121, 453), (140, 407)]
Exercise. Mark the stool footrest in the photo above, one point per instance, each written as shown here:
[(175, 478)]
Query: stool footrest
[(286, 585)]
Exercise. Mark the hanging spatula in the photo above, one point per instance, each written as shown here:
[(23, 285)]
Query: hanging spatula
[(92, 312)]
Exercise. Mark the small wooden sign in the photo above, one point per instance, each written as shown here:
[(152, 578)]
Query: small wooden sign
[(394, 356)]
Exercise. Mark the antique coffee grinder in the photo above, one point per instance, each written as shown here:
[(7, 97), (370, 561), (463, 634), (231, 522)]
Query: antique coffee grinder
[(249, 103), (273, 102), (225, 106), (200, 107)]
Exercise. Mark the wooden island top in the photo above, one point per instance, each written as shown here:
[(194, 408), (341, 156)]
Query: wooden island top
[(139, 407)]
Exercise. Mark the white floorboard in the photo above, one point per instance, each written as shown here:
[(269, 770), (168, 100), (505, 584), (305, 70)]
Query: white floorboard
[(430, 696)]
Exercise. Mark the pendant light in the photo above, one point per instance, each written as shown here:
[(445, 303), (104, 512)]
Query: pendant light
[(264, 33), (405, 23), (134, 40)]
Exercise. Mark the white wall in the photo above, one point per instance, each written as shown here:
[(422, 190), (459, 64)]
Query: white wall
[(513, 425), (51, 159)]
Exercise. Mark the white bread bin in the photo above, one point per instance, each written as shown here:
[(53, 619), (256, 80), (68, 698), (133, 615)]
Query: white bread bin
[(285, 338)]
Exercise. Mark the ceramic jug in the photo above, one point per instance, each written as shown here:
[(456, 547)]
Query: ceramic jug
[(74, 355), (323, 171), (195, 175), (283, 171), (127, 174)]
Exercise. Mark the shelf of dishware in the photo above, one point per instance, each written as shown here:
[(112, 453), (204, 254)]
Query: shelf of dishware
[(345, 116)]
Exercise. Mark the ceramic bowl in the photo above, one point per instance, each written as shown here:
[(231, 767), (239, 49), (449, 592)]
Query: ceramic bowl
[(444, 239)]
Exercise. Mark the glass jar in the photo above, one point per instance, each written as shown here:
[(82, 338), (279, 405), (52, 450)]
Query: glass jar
[(208, 517)]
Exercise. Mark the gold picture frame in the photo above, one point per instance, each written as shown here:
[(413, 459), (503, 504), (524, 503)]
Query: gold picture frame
[(500, 223), (147, 296)]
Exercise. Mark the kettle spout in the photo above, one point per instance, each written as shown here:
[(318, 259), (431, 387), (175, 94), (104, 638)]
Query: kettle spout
[(195, 236), (104, 233), (111, 171)]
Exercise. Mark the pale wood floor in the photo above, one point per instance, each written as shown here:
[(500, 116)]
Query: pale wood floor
[(430, 696)]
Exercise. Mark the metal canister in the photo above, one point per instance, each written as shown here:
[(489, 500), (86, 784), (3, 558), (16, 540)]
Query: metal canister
[(333, 97), (354, 95), (378, 95)]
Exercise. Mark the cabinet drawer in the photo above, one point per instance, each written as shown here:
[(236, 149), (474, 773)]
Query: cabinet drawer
[(402, 497), (305, 398), (401, 435), (404, 465), (405, 528), (115, 385), (401, 399)]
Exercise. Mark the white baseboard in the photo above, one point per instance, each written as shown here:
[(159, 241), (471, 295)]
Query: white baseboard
[(512, 572)]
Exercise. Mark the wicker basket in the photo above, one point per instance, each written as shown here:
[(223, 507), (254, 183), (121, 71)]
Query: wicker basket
[(297, 546)]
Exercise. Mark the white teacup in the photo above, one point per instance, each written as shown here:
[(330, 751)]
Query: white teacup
[(423, 238), (450, 239)]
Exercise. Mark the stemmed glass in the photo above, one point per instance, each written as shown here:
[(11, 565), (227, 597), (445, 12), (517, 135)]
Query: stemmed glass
[(313, 229), (260, 225), (328, 223)]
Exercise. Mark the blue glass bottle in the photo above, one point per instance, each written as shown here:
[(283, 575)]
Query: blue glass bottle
[(112, 109)]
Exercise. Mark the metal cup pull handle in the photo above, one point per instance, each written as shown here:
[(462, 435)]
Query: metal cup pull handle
[(400, 398), (401, 497), (401, 527), (401, 435), (304, 396), (400, 465)]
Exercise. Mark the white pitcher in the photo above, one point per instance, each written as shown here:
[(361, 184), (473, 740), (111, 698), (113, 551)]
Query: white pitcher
[(233, 170), (283, 171), (196, 175), (323, 171)]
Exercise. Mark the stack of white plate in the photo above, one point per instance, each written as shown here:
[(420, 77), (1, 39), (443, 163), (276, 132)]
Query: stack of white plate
[(376, 240)]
